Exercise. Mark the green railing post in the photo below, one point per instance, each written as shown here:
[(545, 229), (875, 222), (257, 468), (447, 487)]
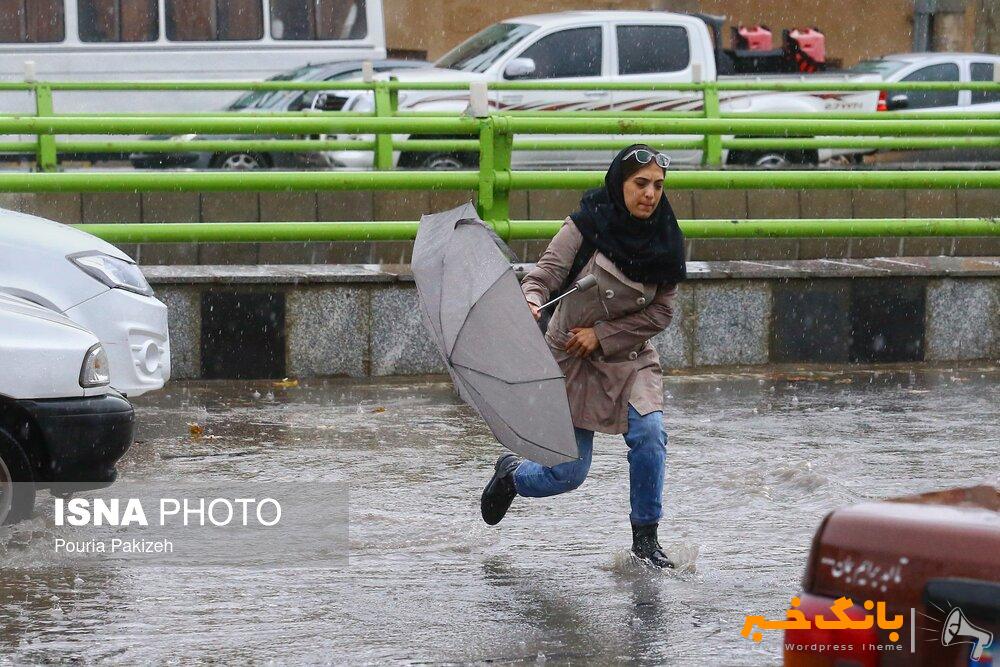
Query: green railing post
[(393, 98), (712, 152), (46, 158), (484, 200), (496, 146), (384, 107)]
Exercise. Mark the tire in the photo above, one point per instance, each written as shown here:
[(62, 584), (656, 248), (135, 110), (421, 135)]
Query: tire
[(17, 483), (440, 161), (773, 159), (239, 161)]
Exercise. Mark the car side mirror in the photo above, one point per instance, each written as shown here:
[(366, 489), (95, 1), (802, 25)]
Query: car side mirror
[(318, 102), (327, 102), (897, 102), (519, 68)]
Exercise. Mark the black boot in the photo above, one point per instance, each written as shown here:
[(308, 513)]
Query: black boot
[(500, 492), (647, 547)]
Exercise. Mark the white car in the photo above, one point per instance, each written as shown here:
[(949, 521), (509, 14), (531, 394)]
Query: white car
[(94, 284), (929, 67), (61, 426)]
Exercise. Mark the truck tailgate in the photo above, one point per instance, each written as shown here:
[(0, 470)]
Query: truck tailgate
[(889, 550)]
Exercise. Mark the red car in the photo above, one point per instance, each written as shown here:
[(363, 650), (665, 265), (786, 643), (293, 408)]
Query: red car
[(916, 579)]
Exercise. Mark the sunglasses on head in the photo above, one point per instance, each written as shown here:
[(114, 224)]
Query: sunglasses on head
[(643, 156)]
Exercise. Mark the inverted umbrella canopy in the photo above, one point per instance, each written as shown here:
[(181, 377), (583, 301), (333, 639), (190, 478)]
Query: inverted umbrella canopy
[(475, 312)]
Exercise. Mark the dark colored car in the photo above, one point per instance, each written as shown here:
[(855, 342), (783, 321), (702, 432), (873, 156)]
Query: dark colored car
[(918, 577), (270, 101)]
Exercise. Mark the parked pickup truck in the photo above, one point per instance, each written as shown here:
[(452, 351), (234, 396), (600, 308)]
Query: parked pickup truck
[(929, 564), (597, 47), (61, 426)]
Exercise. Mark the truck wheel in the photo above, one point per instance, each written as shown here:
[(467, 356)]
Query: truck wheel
[(239, 161), (439, 161), (773, 159), (17, 483)]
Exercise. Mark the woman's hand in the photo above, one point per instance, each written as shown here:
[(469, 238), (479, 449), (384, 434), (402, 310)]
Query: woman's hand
[(583, 342), (535, 312)]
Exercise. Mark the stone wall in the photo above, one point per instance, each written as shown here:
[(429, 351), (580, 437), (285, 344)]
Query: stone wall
[(363, 320), (535, 205)]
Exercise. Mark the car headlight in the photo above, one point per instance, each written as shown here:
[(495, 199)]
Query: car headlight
[(112, 271), (95, 371)]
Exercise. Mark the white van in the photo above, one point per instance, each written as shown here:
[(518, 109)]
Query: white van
[(61, 426), (94, 284), (160, 40)]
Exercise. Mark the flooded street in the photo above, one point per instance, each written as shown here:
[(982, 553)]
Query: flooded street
[(754, 462)]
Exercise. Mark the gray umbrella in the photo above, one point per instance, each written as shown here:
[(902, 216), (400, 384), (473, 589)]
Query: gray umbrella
[(473, 308)]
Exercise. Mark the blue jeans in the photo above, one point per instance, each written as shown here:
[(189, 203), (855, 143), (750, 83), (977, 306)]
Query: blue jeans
[(647, 443)]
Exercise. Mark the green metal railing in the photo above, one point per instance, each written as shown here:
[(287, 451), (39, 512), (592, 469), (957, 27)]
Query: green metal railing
[(514, 230), (494, 138), (385, 106)]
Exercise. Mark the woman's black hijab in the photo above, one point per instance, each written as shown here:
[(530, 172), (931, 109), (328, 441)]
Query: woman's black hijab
[(647, 251)]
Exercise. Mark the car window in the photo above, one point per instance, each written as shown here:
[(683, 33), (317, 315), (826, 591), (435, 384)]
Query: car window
[(305, 99), (118, 20), (925, 99), (318, 19), (32, 22), (646, 49), (214, 20), (566, 54), (255, 99), (983, 72)]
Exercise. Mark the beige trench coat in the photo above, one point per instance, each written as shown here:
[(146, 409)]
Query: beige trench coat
[(625, 369)]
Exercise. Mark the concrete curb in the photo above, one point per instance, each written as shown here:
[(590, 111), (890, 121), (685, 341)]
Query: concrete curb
[(363, 320)]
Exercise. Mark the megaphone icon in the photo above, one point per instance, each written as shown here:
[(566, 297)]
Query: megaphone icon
[(958, 630)]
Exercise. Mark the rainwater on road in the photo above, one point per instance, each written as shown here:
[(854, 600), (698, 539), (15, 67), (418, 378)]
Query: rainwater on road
[(755, 460)]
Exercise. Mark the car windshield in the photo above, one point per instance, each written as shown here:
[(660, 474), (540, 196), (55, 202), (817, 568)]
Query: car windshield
[(257, 99), (883, 68), (481, 50)]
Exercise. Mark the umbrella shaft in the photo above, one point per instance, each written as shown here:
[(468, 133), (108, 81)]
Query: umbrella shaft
[(567, 293)]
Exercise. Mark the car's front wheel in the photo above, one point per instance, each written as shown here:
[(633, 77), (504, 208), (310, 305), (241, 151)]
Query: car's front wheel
[(239, 161), (17, 483), (439, 160), (773, 159)]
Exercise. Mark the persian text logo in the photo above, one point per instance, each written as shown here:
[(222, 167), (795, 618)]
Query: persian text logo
[(844, 616), (813, 622), (808, 629)]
